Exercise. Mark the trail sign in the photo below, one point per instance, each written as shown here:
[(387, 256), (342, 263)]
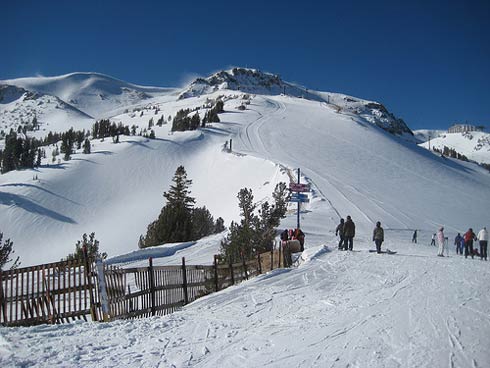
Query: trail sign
[(299, 200), (297, 187)]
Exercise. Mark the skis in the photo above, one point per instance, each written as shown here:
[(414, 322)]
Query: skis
[(387, 251)]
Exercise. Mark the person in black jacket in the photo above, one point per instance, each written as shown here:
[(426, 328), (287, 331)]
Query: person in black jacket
[(340, 232), (378, 236), (349, 233)]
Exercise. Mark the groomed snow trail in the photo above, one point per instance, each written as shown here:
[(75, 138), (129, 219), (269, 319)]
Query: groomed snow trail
[(339, 309)]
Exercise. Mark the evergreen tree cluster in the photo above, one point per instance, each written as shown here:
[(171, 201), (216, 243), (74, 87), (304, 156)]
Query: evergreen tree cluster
[(77, 136), (451, 152), (104, 128), (91, 244), (256, 231), (179, 220), (20, 152), (211, 115), (182, 121), (161, 121), (6, 250)]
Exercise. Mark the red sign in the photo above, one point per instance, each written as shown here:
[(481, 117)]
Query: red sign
[(296, 187)]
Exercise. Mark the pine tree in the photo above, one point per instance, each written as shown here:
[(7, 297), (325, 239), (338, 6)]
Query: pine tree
[(86, 146), (174, 224), (6, 250), (91, 244)]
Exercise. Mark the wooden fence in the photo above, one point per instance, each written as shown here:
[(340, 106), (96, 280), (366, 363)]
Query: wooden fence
[(63, 291), (49, 293)]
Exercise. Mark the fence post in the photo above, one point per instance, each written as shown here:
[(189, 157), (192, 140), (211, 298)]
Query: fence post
[(232, 274), (104, 300), (260, 266), (88, 275), (152, 286), (244, 268), (272, 259), (216, 273), (184, 281), (3, 302), (280, 254)]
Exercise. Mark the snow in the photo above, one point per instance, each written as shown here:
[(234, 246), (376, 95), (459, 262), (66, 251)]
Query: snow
[(93, 93), (474, 145), (354, 309), (337, 309)]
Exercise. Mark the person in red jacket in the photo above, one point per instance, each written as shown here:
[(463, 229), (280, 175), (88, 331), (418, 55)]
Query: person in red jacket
[(469, 236)]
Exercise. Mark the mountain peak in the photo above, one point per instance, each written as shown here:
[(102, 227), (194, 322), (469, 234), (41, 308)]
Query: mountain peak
[(240, 79)]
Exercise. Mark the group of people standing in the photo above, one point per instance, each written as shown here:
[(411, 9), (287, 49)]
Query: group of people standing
[(346, 230), (466, 240), (462, 242)]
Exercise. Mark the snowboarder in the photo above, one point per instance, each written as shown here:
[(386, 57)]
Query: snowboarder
[(440, 240), (483, 239), (469, 236), (459, 244), (349, 233), (414, 237), (340, 232), (433, 241), (378, 236)]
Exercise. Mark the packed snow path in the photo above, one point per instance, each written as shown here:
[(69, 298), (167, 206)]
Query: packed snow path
[(338, 309)]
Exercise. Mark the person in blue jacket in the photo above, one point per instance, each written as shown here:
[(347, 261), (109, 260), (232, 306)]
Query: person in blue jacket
[(459, 243)]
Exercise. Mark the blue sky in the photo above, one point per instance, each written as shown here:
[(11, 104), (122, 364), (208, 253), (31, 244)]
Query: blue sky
[(427, 61)]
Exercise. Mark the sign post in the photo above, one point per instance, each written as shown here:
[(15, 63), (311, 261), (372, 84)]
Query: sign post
[(298, 196)]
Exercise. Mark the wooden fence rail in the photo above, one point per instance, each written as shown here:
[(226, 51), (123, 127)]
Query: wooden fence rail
[(48, 293), (63, 291)]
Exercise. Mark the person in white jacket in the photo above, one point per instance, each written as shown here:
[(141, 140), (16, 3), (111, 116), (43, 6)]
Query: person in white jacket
[(440, 240), (483, 240)]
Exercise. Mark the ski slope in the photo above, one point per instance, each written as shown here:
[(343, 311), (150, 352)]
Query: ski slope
[(354, 309), (338, 309)]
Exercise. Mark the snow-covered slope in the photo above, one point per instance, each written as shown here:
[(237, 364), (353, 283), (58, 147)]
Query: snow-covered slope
[(344, 309), (474, 145), (95, 94), (254, 81), (423, 135), (19, 107), (336, 310)]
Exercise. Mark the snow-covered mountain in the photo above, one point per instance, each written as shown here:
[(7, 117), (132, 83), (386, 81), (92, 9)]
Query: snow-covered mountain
[(354, 165), (253, 81), (353, 309), (19, 107), (95, 94), (474, 145)]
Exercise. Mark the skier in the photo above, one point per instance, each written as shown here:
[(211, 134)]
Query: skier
[(340, 232), (440, 240), (483, 239), (414, 237), (433, 241), (458, 244), (469, 236), (378, 236), (349, 233)]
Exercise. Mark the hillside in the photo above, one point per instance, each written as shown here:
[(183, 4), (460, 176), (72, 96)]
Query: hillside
[(474, 145), (95, 94), (353, 309), (19, 107)]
